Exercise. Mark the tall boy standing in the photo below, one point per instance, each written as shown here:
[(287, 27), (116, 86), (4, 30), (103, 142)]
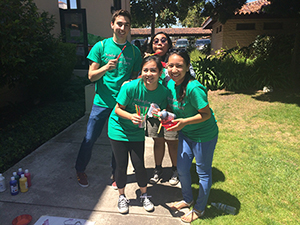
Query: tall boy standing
[(113, 61)]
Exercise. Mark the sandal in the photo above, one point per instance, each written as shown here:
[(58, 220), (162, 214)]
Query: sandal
[(194, 214), (179, 205)]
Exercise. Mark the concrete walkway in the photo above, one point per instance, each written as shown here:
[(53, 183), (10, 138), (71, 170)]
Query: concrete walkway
[(55, 191)]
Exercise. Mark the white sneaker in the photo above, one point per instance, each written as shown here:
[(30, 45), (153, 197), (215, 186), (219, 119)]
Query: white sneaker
[(123, 204), (147, 204), (174, 179)]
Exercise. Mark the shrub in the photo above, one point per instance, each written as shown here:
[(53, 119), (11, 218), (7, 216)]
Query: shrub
[(29, 52), (273, 60), (25, 129)]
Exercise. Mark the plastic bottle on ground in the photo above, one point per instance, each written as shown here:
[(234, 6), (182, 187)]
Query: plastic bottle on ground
[(20, 172), (23, 183), (17, 177), (2, 183), (225, 208), (28, 176), (14, 189)]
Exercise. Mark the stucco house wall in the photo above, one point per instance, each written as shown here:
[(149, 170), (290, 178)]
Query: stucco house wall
[(98, 14), (50, 6), (233, 37), (217, 37)]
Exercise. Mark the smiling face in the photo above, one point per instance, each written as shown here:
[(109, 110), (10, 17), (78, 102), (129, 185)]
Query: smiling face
[(150, 74), (177, 68), (121, 28), (160, 44)]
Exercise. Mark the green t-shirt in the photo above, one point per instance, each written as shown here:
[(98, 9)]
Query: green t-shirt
[(108, 86), (195, 99), (131, 94)]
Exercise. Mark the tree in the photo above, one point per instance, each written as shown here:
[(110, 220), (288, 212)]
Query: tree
[(193, 18), (290, 9), (222, 10), (23, 31), (158, 13), (29, 54)]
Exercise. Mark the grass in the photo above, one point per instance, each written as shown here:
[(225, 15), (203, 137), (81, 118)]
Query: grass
[(256, 161)]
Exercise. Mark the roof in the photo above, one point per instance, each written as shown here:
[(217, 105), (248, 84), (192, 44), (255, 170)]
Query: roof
[(250, 8), (194, 31)]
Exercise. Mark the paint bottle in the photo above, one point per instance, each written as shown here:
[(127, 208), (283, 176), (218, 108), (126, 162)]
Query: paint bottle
[(23, 183), (16, 176), (20, 172), (14, 189), (2, 183), (28, 176), (226, 208)]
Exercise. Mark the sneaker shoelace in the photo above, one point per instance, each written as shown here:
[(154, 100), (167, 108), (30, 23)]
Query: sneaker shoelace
[(123, 201), (145, 199)]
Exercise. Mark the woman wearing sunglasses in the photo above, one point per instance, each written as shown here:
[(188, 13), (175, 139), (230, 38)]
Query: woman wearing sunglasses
[(161, 44)]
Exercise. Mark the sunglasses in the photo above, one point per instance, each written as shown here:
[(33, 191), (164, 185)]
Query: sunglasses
[(163, 41)]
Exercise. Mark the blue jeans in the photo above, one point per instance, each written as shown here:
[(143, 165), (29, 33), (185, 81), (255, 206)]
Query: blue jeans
[(203, 153), (95, 125)]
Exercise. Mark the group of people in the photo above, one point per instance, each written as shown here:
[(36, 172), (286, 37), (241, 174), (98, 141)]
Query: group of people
[(166, 79)]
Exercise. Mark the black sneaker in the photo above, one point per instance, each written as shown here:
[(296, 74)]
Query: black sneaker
[(157, 174), (123, 204), (147, 204), (82, 179)]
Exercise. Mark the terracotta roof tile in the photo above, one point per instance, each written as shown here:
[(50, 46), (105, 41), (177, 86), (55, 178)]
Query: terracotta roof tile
[(252, 7), (171, 31)]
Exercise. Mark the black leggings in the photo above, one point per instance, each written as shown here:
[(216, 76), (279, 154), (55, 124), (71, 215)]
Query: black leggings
[(136, 151)]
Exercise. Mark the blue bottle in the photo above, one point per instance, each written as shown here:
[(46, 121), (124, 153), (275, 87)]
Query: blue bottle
[(14, 189), (17, 177)]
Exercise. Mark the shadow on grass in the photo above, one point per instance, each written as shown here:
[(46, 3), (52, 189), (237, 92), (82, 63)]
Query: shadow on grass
[(289, 97), (284, 97), (216, 195)]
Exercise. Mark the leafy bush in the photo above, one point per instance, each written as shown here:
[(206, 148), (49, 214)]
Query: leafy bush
[(30, 54), (266, 62), (273, 59), (19, 137)]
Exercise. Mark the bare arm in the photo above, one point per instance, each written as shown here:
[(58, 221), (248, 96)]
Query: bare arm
[(95, 73), (121, 112), (202, 115)]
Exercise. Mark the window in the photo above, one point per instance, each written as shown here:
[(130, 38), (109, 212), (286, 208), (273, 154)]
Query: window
[(220, 28), (117, 4), (245, 26), (273, 26)]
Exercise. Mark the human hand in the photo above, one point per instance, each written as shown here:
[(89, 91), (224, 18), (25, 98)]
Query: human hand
[(136, 119), (112, 64), (179, 124)]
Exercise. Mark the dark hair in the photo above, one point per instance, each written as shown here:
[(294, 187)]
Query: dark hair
[(188, 77), (155, 58), (121, 12), (168, 38)]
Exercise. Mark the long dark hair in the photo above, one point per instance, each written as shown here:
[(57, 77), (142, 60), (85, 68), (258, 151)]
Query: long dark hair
[(164, 58), (155, 58), (188, 77)]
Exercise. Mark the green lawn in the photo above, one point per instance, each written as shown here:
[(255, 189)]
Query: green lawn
[(256, 161)]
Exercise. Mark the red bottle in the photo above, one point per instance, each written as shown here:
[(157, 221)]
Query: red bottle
[(28, 176)]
